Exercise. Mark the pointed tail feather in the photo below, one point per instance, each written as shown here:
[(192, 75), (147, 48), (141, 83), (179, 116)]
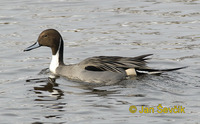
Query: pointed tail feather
[(156, 71)]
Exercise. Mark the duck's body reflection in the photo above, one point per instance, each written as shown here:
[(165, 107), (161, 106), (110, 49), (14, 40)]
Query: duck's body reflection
[(47, 84)]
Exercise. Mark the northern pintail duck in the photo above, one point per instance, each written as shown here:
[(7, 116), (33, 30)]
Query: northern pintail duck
[(99, 69)]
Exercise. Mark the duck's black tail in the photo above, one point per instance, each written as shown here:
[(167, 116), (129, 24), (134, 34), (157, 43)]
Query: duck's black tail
[(140, 71)]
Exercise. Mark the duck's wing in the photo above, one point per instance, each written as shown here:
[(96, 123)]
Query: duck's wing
[(114, 63)]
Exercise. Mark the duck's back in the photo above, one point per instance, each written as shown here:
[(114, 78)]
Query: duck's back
[(78, 73)]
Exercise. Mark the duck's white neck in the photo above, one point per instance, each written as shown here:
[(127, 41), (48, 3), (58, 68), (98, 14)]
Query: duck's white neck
[(57, 59), (54, 63)]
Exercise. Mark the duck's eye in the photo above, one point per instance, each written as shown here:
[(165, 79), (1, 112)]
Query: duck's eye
[(45, 35)]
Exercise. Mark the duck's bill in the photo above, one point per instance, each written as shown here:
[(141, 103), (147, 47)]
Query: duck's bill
[(34, 46)]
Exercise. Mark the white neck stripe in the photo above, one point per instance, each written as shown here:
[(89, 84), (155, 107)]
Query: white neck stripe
[(55, 60)]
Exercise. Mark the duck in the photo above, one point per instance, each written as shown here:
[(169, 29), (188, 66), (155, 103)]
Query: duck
[(106, 70)]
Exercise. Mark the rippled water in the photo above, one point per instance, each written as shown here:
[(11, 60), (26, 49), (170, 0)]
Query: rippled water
[(167, 28)]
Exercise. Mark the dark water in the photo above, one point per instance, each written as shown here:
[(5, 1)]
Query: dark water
[(167, 28)]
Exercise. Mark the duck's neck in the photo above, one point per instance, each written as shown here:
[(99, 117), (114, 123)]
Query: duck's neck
[(57, 59)]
